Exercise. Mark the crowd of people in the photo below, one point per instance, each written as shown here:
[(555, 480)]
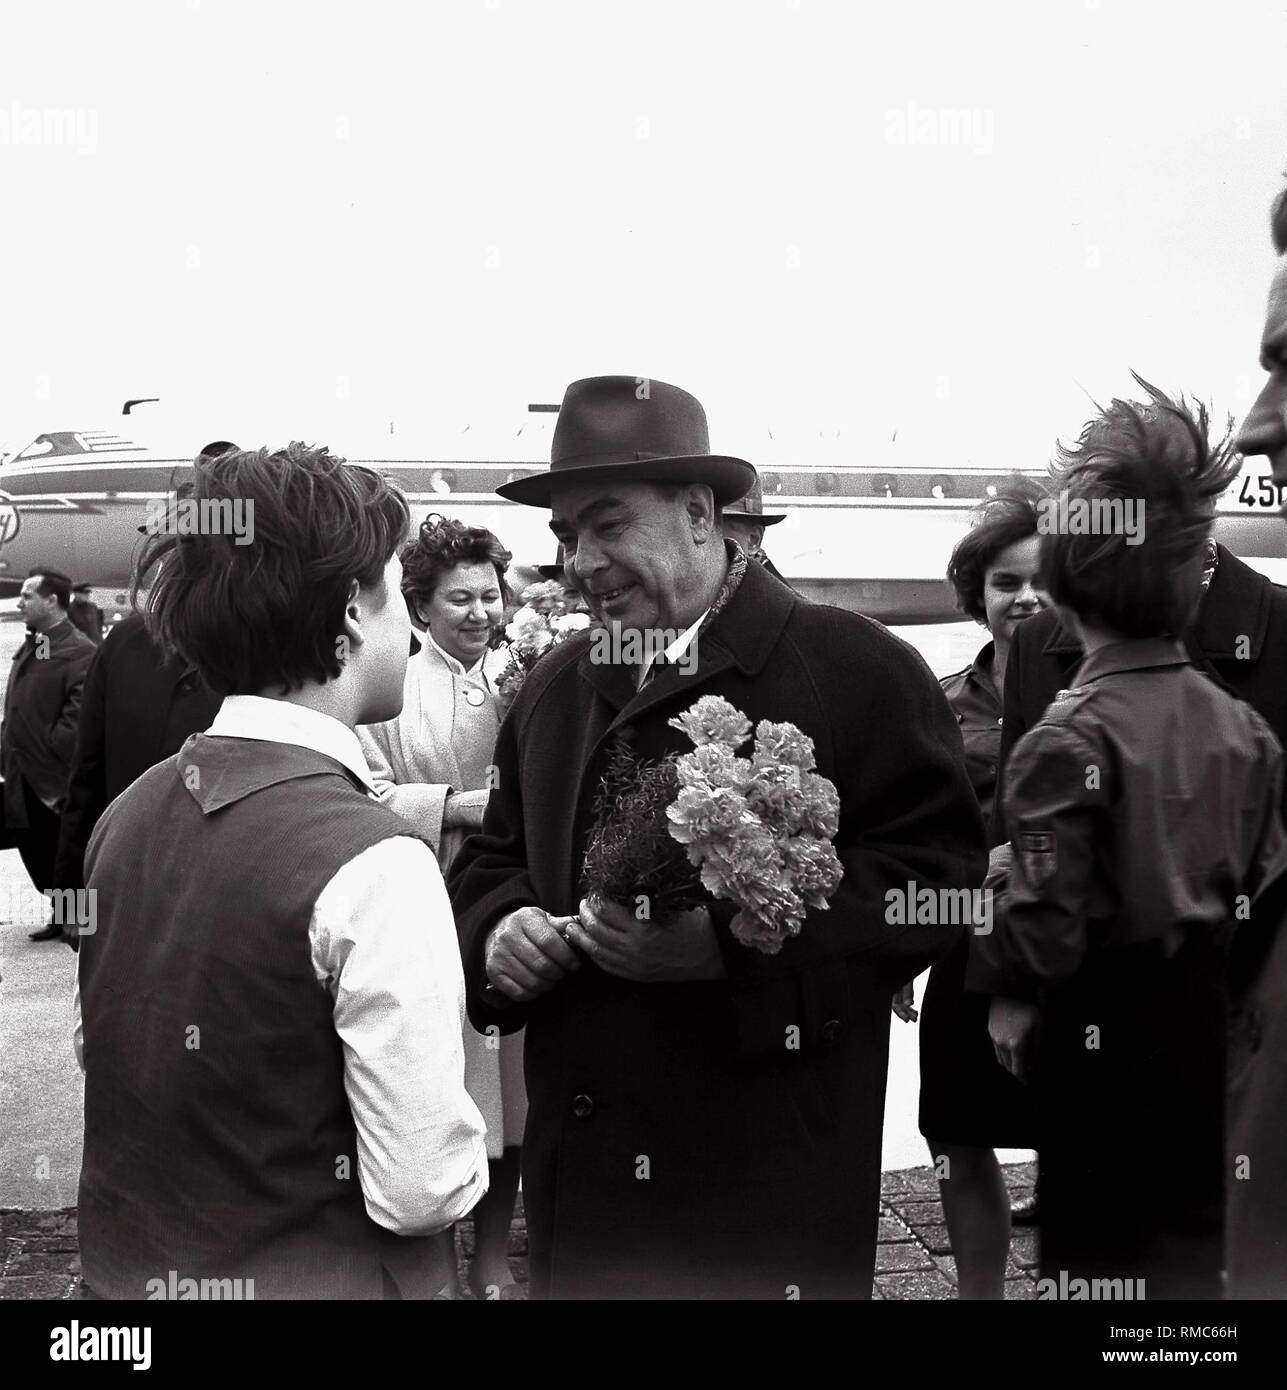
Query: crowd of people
[(344, 980)]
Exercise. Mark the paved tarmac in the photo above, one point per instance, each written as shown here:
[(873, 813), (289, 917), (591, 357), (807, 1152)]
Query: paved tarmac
[(40, 1256)]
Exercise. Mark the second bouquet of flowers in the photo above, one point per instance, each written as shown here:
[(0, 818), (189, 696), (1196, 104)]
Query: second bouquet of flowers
[(545, 619)]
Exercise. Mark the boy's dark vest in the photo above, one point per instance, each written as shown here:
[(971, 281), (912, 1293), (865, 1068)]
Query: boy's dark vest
[(219, 1143)]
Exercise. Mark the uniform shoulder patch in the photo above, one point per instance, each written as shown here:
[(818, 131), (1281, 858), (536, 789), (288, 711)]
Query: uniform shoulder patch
[(1066, 704), (1036, 850)]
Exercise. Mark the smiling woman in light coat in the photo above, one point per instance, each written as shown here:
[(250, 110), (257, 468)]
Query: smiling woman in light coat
[(432, 765)]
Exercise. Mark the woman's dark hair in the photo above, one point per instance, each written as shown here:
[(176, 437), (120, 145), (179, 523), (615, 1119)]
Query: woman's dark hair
[(256, 559), (1158, 455), (441, 545), (1009, 516), (1278, 222)]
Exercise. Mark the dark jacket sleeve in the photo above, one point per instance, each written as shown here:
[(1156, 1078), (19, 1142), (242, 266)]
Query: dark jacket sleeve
[(907, 815), (1013, 728), (62, 737), (1051, 892), (87, 785)]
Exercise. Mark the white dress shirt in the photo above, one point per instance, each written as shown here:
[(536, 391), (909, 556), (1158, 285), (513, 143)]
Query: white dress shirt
[(672, 653), (383, 945)]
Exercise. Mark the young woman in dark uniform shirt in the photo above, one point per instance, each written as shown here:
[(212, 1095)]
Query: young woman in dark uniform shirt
[(969, 1103)]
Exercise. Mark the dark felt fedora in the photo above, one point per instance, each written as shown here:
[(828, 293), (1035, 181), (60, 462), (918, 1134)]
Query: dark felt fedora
[(638, 430), (752, 505)]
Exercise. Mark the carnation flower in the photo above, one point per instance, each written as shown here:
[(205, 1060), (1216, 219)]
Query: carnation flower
[(570, 622), (820, 809), (713, 764), (813, 868), (705, 813), (713, 720), (546, 597), (774, 793), (783, 743), (757, 932)]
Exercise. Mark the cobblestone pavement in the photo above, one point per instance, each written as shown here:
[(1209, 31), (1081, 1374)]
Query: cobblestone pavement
[(913, 1256)]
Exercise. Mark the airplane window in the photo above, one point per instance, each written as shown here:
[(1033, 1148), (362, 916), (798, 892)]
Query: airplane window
[(884, 485)]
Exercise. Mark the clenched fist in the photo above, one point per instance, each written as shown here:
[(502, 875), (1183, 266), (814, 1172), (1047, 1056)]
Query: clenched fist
[(526, 953)]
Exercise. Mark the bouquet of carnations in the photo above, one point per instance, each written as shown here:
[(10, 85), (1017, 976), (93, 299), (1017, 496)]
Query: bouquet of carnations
[(545, 619), (758, 829)]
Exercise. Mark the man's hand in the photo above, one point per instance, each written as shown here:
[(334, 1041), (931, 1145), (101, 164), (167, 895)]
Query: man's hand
[(526, 954), (902, 1004), (1012, 1026), (680, 948)]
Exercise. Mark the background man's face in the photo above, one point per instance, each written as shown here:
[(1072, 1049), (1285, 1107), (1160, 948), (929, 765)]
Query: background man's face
[(39, 614), (1265, 430), (747, 533), (632, 552)]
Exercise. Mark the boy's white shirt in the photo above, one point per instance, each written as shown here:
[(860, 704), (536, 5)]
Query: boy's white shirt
[(383, 944)]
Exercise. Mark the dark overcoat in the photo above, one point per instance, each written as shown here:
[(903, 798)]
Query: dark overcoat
[(41, 708), (139, 707), (722, 1138)]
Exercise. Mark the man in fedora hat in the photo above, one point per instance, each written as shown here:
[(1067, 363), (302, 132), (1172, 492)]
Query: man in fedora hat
[(705, 1120), (744, 522)]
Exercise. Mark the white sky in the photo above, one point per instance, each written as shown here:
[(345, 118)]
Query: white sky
[(307, 220)]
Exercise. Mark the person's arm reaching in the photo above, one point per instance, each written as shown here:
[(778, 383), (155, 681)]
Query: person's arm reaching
[(425, 806), (385, 945)]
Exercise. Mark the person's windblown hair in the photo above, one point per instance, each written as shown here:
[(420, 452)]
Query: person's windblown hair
[(263, 607), (441, 544), (1152, 463)]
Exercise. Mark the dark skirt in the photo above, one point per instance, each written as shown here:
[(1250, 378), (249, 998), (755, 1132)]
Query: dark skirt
[(1132, 1059), (967, 1097)]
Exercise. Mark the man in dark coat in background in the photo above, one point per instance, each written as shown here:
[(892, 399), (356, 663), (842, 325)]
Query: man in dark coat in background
[(41, 707), (85, 614), (705, 1120), (745, 521), (138, 708)]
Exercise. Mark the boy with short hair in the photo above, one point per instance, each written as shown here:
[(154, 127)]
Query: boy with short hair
[(1144, 823), (273, 997)]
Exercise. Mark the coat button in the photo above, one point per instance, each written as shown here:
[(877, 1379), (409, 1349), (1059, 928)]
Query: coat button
[(831, 1030), (582, 1107)]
